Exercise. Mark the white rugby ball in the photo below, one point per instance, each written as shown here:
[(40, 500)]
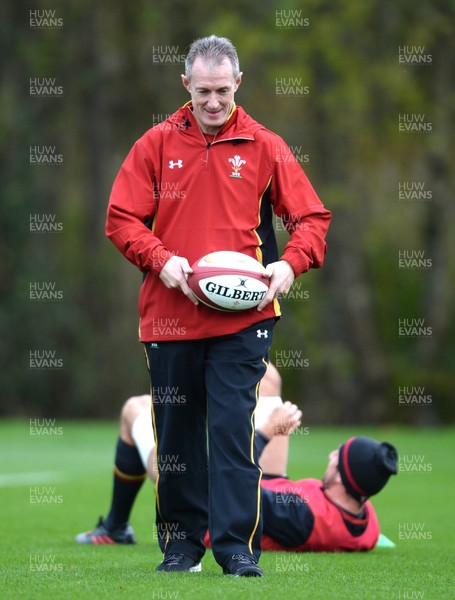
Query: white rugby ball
[(228, 281)]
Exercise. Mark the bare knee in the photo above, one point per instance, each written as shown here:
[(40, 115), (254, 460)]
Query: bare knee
[(130, 411), (271, 382)]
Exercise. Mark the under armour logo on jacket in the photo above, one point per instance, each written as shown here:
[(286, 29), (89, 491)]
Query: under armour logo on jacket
[(264, 334), (177, 163)]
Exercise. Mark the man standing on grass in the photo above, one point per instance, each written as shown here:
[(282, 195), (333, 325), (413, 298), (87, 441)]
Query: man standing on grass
[(232, 177)]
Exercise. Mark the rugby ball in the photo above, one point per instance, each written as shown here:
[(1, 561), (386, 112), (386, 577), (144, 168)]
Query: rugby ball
[(228, 281)]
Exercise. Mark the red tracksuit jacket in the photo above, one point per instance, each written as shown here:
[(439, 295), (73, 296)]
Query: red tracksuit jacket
[(179, 194)]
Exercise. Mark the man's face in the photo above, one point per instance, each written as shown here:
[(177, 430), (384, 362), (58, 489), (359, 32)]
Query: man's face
[(212, 89), (331, 475)]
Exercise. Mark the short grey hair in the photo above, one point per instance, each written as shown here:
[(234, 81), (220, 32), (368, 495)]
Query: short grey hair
[(212, 49)]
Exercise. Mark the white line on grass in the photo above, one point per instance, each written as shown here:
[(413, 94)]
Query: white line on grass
[(18, 479)]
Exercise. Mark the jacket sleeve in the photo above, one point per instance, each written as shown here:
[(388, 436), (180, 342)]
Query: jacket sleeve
[(287, 517), (303, 214), (133, 206)]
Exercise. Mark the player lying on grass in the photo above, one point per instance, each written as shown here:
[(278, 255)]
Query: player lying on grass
[(305, 515)]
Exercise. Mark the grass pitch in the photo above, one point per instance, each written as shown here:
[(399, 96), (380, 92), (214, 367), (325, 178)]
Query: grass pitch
[(56, 480)]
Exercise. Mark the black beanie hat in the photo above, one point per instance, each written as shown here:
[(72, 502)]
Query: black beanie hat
[(365, 466)]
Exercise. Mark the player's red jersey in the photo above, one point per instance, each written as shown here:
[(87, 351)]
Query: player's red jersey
[(316, 521), (181, 193), (331, 531)]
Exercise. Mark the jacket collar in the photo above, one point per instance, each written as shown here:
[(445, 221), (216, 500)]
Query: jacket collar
[(237, 125)]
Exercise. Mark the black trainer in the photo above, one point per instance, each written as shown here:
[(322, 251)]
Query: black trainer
[(179, 563), (242, 565), (101, 535)]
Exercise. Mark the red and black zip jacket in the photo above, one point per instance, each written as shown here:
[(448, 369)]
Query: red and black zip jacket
[(181, 193)]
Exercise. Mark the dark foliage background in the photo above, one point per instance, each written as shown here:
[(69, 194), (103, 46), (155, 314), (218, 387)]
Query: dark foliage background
[(363, 66)]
